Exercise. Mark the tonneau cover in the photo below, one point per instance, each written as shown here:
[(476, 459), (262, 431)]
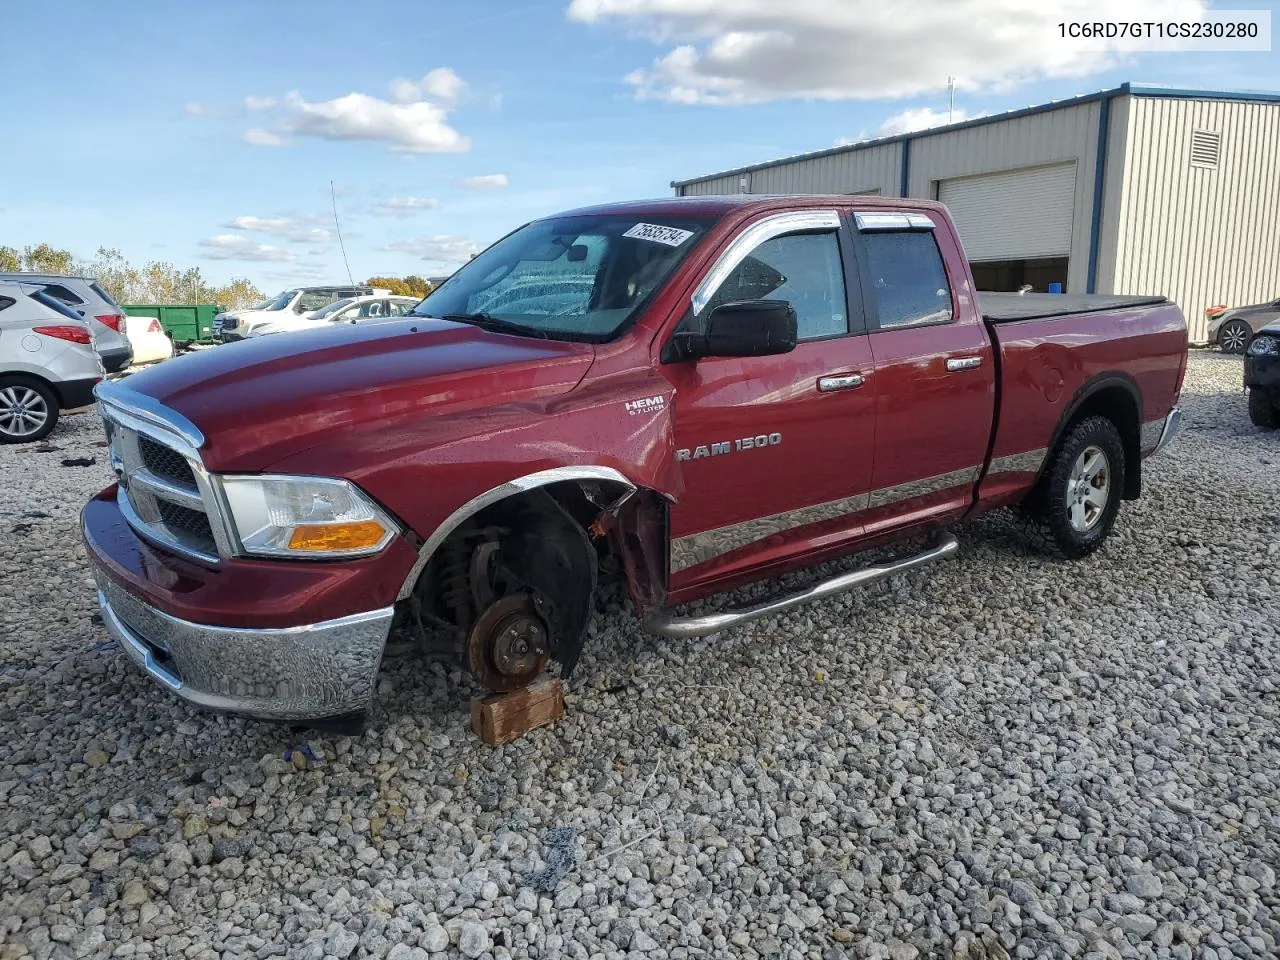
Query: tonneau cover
[(1008, 307)]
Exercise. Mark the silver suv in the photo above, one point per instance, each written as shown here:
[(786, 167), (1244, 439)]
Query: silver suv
[(47, 362), (86, 297)]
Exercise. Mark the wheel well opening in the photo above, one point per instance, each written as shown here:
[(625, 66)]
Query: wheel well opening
[(1119, 406), (540, 543)]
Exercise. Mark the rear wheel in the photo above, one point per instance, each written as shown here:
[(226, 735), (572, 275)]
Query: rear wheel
[(1262, 408), (1233, 336), (1079, 495), (28, 410)]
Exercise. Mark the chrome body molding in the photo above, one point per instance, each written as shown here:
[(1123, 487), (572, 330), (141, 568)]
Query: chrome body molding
[(870, 222), (922, 488), (666, 623), (1158, 434), (698, 548), (1029, 461), (305, 672), (130, 418), (757, 233), (512, 487)]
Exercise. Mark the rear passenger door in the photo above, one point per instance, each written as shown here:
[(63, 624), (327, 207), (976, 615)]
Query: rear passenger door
[(934, 370)]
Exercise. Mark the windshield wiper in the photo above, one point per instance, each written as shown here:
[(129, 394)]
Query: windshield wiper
[(487, 321)]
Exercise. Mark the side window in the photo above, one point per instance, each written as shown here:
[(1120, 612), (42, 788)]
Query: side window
[(6, 303), (908, 278), (59, 292), (804, 269), (398, 308), (314, 301)]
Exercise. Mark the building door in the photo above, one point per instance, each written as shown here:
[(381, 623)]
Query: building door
[(1015, 225)]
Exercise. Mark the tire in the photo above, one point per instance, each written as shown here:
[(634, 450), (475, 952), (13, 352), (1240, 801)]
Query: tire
[(1234, 336), (1262, 408), (1078, 498), (28, 409)]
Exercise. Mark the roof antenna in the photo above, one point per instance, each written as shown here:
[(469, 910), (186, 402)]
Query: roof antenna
[(338, 227), (951, 87)]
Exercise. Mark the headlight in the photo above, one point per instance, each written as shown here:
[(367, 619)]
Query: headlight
[(1264, 346), (281, 516)]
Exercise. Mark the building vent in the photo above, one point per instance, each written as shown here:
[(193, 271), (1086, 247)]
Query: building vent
[(1205, 148)]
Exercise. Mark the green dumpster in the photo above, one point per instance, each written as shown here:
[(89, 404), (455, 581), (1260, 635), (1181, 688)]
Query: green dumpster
[(184, 322)]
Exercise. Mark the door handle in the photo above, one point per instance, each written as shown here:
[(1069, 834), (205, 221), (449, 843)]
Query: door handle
[(845, 381), (963, 363)]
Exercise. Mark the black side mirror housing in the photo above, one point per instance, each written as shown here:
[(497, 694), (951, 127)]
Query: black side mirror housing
[(744, 328)]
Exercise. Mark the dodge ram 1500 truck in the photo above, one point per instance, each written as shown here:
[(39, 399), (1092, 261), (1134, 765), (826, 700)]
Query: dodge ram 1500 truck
[(685, 394)]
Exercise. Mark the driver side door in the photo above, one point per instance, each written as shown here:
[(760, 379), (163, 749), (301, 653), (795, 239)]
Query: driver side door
[(775, 451)]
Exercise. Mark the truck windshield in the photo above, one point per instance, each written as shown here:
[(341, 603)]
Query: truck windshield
[(279, 301), (569, 278)]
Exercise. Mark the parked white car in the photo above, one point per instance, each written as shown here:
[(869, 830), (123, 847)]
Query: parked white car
[(149, 341), (238, 324), (347, 310)]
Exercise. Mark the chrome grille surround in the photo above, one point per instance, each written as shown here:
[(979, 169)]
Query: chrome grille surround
[(129, 417)]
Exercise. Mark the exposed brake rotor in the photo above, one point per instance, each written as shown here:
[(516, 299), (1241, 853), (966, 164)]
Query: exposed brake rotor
[(509, 645)]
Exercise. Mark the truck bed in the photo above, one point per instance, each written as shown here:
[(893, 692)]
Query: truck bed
[(1011, 307)]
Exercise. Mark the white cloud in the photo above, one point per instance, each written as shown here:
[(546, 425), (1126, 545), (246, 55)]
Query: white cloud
[(489, 181), (750, 51), (263, 138), (409, 127), (919, 118), (194, 109), (230, 246), (440, 84), (438, 249), (404, 206), (294, 229), (259, 103)]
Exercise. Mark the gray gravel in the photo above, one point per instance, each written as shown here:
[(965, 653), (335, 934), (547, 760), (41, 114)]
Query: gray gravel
[(1000, 756)]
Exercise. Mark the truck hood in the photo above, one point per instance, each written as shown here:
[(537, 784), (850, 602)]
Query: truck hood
[(258, 401)]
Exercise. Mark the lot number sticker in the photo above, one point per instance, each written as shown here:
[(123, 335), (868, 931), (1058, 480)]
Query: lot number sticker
[(671, 236)]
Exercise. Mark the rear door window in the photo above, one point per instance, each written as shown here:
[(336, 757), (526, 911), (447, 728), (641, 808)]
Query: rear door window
[(314, 301), (60, 292), (908, 279), (53, 303)]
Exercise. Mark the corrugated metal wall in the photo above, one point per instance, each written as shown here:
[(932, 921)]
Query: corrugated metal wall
[(1055, 136), (1200, 236), (854, 171)]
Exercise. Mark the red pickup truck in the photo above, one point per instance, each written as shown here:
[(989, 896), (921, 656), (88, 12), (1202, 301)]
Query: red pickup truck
[(689, 394)]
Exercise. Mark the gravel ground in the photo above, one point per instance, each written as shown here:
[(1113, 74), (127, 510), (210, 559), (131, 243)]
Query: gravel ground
[(1000, 756)]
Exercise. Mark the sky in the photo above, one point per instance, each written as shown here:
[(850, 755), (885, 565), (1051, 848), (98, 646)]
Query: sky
[(208, 134)]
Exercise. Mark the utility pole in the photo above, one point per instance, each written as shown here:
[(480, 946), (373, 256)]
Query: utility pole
[(951, 89)]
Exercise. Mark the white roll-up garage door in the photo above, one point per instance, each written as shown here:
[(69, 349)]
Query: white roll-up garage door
[(1014, 215)]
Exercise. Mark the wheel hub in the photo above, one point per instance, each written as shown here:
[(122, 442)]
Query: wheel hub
[(508, 647)]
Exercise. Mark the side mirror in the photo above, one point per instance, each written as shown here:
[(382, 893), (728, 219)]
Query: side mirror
[(745, 328)]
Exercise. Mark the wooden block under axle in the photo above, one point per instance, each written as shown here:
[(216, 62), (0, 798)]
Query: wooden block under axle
[(504, 716)]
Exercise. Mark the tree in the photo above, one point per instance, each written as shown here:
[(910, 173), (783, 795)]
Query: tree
[(236, 294), (47, 259), (410, 286), (10, 260)]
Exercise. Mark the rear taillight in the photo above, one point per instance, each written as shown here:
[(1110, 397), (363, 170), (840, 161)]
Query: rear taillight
[(113, 320), (72, 334), (154, 326)]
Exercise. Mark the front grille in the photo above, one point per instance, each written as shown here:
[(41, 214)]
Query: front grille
[(159, 491), (188, 526), (166, 464)]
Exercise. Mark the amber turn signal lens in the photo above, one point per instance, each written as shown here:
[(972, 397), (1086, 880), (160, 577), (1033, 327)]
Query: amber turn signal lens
[(337, 537)]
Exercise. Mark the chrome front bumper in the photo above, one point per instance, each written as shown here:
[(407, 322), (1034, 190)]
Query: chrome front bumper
[(308, 672)]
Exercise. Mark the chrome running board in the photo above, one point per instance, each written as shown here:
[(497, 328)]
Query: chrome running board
[(666, 623)]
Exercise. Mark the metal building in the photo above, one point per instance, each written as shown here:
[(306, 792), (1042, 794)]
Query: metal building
[(1139, 190)]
